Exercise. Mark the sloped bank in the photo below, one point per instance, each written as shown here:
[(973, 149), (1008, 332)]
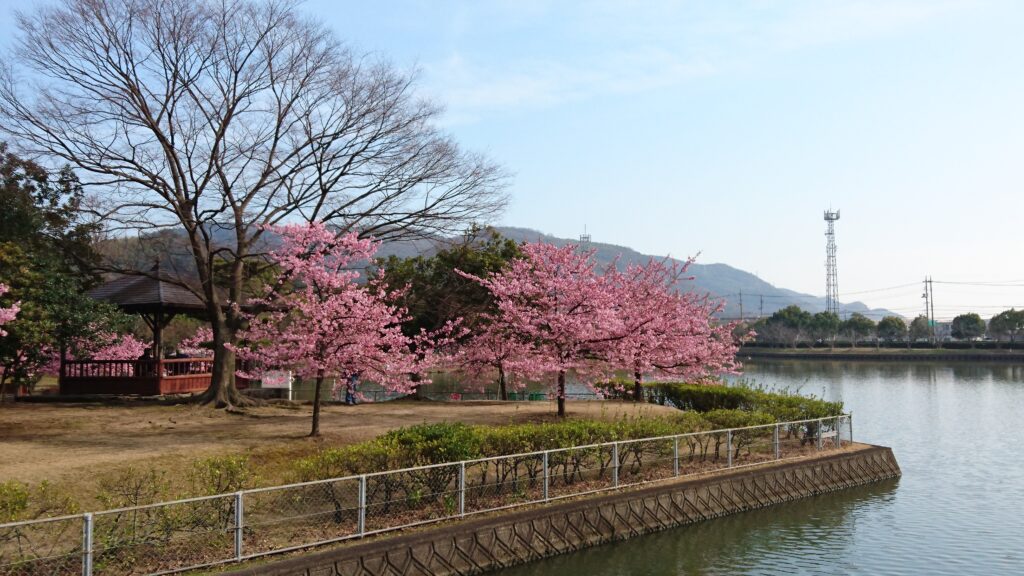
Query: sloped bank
[(506, 539)]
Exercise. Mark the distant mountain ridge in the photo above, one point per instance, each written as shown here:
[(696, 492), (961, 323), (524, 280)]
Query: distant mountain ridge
[(720, 280)]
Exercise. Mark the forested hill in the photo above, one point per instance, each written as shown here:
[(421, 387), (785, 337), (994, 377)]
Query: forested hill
[(720, 280)]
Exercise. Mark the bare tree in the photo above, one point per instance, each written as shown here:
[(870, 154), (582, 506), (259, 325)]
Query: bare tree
[(217, 118)]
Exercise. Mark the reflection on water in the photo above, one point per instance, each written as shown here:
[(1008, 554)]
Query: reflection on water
[(957, 432)]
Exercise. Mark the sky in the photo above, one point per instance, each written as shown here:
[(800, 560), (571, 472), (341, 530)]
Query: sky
[(727, 128)]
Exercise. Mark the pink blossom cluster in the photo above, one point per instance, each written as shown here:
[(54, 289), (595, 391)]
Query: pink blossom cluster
[(195, 345), (104, 346), (558, 313), (7, 314), (319, 320)]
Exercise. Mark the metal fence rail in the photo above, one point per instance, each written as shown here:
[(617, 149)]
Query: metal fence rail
[(200, 532)]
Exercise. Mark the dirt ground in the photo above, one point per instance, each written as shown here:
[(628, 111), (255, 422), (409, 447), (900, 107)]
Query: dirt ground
[(76, 443)]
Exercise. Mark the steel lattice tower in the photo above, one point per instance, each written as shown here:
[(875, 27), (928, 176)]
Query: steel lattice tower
[(831, 283)]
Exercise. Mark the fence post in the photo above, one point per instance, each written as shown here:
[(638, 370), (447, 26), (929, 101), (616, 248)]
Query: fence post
[(839, 438), (849, 422), (820, 422), (462, 488), (239, 519), (362, 504), (728, 445), (775, 441), (675, 456), (545, 476), (87, 544), (615, 464)]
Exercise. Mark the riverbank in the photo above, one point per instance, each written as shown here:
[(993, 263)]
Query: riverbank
[(876, 354), (508, 538)]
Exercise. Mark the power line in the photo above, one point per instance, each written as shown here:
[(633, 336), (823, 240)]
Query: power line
[(880, 289)]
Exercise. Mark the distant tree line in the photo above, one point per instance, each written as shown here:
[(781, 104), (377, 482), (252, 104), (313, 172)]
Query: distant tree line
[(793, 327)]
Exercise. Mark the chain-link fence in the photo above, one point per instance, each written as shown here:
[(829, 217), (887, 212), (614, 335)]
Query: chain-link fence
[(200, 532)]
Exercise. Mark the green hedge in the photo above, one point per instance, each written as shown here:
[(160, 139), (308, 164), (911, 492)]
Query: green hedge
[(451, 442), (781, 405)]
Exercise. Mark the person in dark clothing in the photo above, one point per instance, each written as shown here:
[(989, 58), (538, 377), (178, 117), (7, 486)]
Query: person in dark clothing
[(350, 389)]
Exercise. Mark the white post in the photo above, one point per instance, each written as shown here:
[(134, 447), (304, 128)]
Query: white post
[(675, 456), (362, 504), (239, 519), (775, 441), (728, 445), (462, 488), (615, 464), (545, 476), (87, 544)]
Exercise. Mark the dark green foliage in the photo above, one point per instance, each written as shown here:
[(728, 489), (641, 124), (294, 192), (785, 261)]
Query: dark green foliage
[(41, 212), (782, 405), (892, 329), (919, 328), (857, 327), (825, 326), (434, 293), (968, 326), (1007, 324), (46, 258)]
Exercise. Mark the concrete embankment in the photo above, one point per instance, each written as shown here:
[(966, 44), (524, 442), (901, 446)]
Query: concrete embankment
[(500, 540), (884, 354)]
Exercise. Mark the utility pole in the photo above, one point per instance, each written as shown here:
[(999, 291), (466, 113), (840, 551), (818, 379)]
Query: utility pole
[(929, 307), (760, 310), (741, 305), (931, 302), (831, 282)]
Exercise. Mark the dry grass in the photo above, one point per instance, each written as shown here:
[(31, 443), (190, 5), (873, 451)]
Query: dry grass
[(74, 445)]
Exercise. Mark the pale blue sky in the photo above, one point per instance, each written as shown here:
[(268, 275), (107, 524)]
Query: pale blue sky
[(726, 128)]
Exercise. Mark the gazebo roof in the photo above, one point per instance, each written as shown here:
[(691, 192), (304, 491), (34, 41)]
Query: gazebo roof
[(148, 293)]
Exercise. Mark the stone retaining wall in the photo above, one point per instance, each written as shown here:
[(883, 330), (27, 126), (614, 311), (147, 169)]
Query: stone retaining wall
[(495, 541)]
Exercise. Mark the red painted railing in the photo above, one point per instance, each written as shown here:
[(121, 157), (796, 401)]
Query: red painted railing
[(164, 368)]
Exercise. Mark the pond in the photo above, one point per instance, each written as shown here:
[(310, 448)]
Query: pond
[(957, 432)]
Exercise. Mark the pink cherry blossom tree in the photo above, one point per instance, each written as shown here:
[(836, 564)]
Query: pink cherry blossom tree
[(665, 331), (320, 321), (118, 347), (7, 314), (555, 299), (101, 346), (198, 344), (493, 346)]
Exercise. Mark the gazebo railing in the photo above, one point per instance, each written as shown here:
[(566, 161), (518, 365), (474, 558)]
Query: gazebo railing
[(149, 368)]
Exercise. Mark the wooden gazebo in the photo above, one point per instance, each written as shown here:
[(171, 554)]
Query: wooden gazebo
[(157, 297)]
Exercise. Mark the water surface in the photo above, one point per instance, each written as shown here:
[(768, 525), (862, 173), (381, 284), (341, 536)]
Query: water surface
[(957, 433)]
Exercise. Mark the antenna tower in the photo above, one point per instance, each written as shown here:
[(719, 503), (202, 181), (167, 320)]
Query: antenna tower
[(831, 283), (584, 240)]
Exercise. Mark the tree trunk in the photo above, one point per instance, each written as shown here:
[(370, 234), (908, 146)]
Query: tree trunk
[(561, 393), (315, 432), (638, 387), (222, 392), (502, 390)]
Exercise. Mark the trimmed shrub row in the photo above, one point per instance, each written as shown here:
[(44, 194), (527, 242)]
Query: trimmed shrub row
[(451, 442), (781, 405)]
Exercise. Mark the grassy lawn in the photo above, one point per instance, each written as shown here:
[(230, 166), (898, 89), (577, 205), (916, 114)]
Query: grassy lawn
[(76, 445)]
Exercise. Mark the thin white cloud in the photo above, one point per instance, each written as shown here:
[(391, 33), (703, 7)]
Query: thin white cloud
[(614, 47)]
